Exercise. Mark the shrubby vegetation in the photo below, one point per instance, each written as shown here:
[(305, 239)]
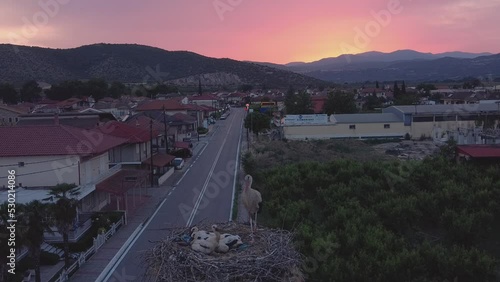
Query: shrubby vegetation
[(386, 220)]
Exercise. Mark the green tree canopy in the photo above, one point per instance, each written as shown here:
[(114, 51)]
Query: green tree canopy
[(35, 221), (257, 122), (64, 212), (8, 93), (30, 92), (386, 221), (297, 104), (339, 102)]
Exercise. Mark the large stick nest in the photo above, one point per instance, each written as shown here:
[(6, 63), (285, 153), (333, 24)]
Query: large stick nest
[(271, 257)]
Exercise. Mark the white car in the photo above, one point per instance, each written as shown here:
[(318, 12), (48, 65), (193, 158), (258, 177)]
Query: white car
[(178, 163)]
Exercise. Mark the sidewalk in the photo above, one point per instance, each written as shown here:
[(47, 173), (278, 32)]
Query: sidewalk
[(98, 262)]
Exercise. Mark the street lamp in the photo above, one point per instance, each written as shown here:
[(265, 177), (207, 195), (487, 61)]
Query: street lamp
[(151, 148)]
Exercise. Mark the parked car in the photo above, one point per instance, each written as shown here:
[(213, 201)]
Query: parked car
[(178, 163)]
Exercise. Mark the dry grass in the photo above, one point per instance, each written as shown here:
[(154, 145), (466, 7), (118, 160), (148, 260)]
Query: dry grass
[(272, 257), (271, 153)]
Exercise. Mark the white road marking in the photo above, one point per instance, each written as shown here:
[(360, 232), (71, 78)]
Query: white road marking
[(235, 174), (202, 193)]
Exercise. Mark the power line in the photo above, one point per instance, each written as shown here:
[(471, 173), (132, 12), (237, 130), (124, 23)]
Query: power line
[(39, 162), (42, 171)]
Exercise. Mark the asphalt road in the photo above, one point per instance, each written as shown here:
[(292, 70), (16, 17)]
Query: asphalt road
[(205, 192)]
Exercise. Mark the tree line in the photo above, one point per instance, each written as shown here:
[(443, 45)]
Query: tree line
[(97, 88), (433, 220)]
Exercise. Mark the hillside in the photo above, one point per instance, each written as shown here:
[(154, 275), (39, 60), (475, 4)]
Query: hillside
[(418, 70), (399, 65), (130, 63)]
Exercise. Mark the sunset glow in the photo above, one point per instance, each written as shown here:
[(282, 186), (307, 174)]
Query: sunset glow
[(280, 32)]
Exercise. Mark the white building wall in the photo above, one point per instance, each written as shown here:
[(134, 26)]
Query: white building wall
[(93, 168), (42, 171), (361, 130)]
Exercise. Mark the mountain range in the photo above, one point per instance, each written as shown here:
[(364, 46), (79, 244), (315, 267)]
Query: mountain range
[(131, 63), (399, 65)]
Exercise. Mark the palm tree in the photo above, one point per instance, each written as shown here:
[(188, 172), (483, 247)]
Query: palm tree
[(34, 221), (64, 212)]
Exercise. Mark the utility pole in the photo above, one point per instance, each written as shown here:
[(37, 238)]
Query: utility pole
[(165, 124), (151, 148)]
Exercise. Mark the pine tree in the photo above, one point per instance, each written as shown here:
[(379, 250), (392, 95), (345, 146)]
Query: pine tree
[(403, 88), (376, 85), (199, 86), (396, 90)]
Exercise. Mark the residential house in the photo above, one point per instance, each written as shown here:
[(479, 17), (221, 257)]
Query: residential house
[(236, 98), (46, 155), (170, 106), (138, 145), (462, 97), (206, 100), (318, 103), (72, 104), (485, 154), (9, 115), (379, 92), (143, 120), (87, 120), (120, 109)]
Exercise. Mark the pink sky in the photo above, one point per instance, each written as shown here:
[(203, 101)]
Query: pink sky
[(278, 31)]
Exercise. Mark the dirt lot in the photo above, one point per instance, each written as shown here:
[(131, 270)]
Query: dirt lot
[(408, 150)]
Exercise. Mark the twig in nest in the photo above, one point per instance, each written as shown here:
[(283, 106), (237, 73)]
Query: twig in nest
[(272, 257)]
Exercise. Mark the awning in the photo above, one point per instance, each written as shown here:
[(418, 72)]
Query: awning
[(122, 181), (182, 145), (160, 160)]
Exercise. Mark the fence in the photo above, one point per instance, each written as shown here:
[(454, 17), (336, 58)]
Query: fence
[(165, 176), (64, 274)]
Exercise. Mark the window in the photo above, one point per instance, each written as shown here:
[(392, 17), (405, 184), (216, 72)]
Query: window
[(352, 126), (387, 125)]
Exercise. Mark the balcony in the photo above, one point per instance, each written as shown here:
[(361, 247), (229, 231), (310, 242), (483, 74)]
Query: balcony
[(75, 234)]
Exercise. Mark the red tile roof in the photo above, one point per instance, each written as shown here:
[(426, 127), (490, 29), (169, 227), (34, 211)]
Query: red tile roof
[(127, 131), (118, 183), (208, 108), (50, 140), (480, 151), (318, 103), (195, 107), (160, 160), (184, 117), (182, 145), (157, 105), (141, 121), (14, 109), (69, 102)]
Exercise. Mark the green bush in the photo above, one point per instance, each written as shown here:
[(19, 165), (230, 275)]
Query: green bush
[(387, 221), (202, 130)]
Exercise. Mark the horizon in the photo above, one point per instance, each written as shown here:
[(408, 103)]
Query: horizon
[(369, 51), (279, 32)]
